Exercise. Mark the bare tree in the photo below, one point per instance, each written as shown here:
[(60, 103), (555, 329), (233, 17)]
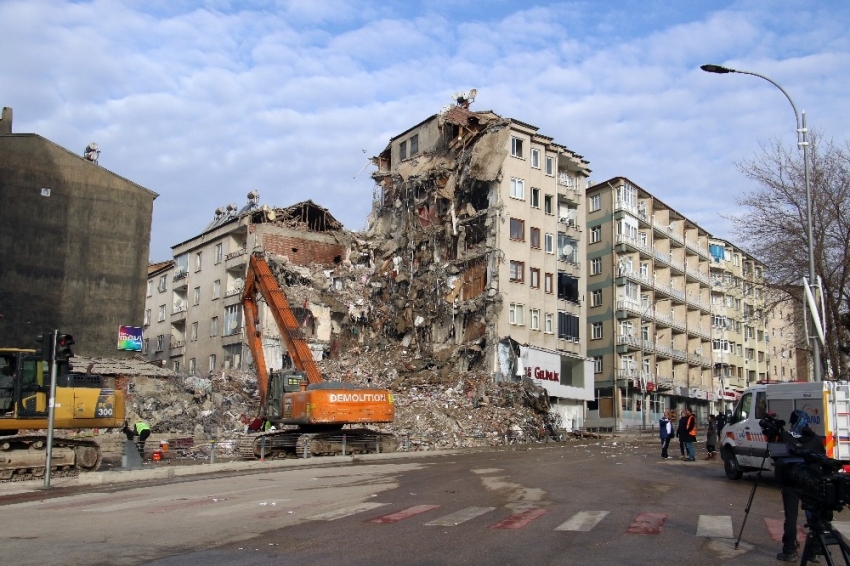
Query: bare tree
[(773, 227)]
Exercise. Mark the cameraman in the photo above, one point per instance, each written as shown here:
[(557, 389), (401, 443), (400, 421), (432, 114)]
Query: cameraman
[(803, 437)]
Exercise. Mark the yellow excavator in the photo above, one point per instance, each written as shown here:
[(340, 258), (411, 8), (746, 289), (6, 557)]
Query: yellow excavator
[(81, 402)]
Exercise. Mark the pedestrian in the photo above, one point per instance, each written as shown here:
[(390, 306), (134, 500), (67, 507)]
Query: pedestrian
[(711, 437), (665, 432), (721, 422), (140, 429), (680, 432), (690, 434)]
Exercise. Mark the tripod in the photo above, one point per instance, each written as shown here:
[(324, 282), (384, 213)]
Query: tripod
[(821, 536), (750, 500)]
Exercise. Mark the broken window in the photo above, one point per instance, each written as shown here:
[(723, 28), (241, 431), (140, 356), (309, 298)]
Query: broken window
[(517, 229), (550, 166), (402, 151), (517, 188), (535, 197), (517, 271), (548, 283), (567, 287), (516, 147), (534, 234), (535, 158), (568, 326), (414, 145), (516, 314), (534, 273), (547, 204)]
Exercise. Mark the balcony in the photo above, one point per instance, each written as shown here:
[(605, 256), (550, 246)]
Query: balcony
[(178, 314), (634, 244), (236, 260), (176, 348), (181, 280), (695, 247)]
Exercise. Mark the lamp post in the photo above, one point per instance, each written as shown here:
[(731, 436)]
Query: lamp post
[(802, 141)]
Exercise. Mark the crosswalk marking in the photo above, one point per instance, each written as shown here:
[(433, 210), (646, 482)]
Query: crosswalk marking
[(403, 514), (776, 527), (582, 521), (346, 511), (459, 517), (519, 520), (714, 526), (225, 509)]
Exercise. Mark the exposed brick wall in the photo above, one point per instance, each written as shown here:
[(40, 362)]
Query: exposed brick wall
[(303, 251)]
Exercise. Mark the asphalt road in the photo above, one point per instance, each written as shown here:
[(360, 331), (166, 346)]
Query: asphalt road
[(583, 502)]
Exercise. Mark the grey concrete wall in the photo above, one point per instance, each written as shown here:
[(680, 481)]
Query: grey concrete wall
[(75, 260)]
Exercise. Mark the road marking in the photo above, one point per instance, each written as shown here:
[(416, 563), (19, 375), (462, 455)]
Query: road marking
[(776, 527), (582, 521), (842, 527), (480, 471), (459, 517), (225, 508), (647, 524), (345, 511), (519, 520), (403, 514), (714, 526)]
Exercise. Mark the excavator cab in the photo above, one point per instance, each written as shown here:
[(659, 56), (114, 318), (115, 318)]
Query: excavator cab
[(281, 383), (23, 385)]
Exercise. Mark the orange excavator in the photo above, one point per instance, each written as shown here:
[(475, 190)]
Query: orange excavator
[(309, 414)]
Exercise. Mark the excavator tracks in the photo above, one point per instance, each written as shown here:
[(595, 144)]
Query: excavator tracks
[(298, 444), (22, 457)]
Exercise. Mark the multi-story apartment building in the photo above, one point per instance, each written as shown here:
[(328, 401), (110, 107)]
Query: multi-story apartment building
[(739, 320), (500, 205), (649, 313), (788, 352), (193, 311)]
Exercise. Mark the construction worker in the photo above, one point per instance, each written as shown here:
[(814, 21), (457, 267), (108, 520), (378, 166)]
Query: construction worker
[(140, 429)]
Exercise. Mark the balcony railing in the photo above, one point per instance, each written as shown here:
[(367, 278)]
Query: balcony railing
[(231, 292)]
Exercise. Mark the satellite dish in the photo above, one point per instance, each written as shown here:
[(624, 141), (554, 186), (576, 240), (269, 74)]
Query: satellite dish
[(567, 249)]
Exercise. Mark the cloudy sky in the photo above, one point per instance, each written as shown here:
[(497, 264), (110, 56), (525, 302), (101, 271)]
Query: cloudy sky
[(204, 101)]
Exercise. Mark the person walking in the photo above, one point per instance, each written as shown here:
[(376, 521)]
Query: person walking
[(710, 438), (665, 432), (680, 432), (690, 434), (721, 422)]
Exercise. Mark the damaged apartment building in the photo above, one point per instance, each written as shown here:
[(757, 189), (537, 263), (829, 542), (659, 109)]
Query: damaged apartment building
[(477, 236)]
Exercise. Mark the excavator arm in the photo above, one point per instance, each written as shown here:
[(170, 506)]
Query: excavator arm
[(260, 279)]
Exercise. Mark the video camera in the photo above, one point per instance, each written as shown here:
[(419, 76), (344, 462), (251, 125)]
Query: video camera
[(822, 488)]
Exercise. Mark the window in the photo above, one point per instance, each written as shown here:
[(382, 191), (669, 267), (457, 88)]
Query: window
[(517, 229), (549, 323), (535, 197), (535, 237), (517, 271), (176, 366), (548, 206), (550, 166), (517, 188), (549, 243), (192, 366), (595, 203), (596, 266), (163, 283), (414, 145), (516, 314), (216, 288), (596, 298), (146, 347), (596, 331), (193, 333), (196, 296), (160, 340), (535, 278), (568, 326), (232, 320), (535, 158), (198, 262), (161, 315), (516, 147), (548, 283), (147, 317), (402, 151), (212, 362), (595, 234), (567, 287), (150, 287), (597, 364), (214, 326), (534, 319)]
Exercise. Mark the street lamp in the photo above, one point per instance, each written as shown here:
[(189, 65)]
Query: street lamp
[(802, 141)]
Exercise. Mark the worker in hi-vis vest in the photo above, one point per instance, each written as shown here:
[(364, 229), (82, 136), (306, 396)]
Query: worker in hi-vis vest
[(140, 429)]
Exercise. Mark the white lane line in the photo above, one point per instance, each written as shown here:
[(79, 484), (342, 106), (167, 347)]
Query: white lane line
[(582, 521), (458, 517), (345, 511), (715, 526)]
